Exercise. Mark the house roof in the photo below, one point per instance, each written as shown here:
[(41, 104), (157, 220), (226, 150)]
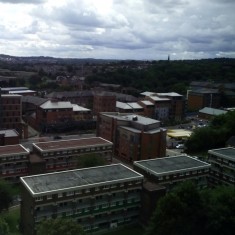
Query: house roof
[(212, 111), (147, 102), (9, 150), (9, 133), (77, 108), (72, 180), (56, 105), (168, 165), (33, 100), (71, 144), (227, 153)]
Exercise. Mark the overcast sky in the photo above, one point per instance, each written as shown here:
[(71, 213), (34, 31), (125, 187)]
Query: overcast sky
[(118, 29)]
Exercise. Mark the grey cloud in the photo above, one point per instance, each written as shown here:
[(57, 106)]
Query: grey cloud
[(23, 1)]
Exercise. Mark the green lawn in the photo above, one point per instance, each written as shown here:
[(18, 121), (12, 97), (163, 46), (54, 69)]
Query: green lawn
[(12, 218)]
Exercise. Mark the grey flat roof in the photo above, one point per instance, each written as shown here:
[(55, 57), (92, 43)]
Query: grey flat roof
[(212, 111), (79, 178), (166, 165), (9, 133), (56, 105), (71, 144), (227, 153), (129, 117)]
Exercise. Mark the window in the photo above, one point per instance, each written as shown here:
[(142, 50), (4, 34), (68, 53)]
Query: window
[(49, 197), (37, 199), (70, 193), (60, 195)]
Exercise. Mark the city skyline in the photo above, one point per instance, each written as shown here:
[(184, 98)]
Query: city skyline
[(111, 29)]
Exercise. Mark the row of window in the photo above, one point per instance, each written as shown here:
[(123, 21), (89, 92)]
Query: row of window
[(77, 151), (88, 190), (17, 157), (181, 174)]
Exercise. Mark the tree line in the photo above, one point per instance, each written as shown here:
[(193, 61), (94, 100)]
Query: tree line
[(220, 129)]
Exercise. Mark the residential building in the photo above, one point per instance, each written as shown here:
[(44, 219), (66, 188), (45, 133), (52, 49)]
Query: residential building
[(64, 154), (9, 137), (98, 198), (222, 162), (53, 111), (169, 171), (134, 137), (11, 114), (13, 162), (170, 105)]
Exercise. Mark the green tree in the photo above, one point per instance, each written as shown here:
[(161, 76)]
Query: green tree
[(220, 206), (4, 228), (178, 213), (59, 226), (5, 196), (90, 160), (186, 210)]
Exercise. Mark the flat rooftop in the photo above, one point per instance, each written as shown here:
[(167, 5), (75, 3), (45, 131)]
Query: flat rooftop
[(131, 117), (9, 150), (167, 165), (71, 144), (9, 133), (227, 153), (79, 178)]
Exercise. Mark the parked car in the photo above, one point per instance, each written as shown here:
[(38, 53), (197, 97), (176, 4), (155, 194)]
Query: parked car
[(180, 146)]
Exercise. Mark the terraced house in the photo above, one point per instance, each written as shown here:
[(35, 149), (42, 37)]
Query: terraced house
[(98, 198)]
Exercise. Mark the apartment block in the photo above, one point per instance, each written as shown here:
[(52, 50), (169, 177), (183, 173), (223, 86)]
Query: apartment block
[(170, 105), (222, 166), (134, 137), (11, 112), (98, 198), (64, 154), (170, 171), (13, 162)]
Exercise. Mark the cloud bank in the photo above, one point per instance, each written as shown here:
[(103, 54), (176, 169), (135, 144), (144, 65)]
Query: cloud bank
[(121, 29)]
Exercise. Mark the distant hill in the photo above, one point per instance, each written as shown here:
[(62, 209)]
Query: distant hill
[(51, 60)]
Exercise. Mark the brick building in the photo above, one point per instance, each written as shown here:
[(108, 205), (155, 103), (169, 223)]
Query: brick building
[(170, 105), (43, 157), (169, 171), (9, 137), (64, 154), (222, 166), (11, 114), (198, 99), (98, 198), (104, 102), (13, 162), (134, 137)]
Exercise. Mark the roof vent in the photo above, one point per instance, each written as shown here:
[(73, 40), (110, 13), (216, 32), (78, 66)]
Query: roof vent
[(134, 118)]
